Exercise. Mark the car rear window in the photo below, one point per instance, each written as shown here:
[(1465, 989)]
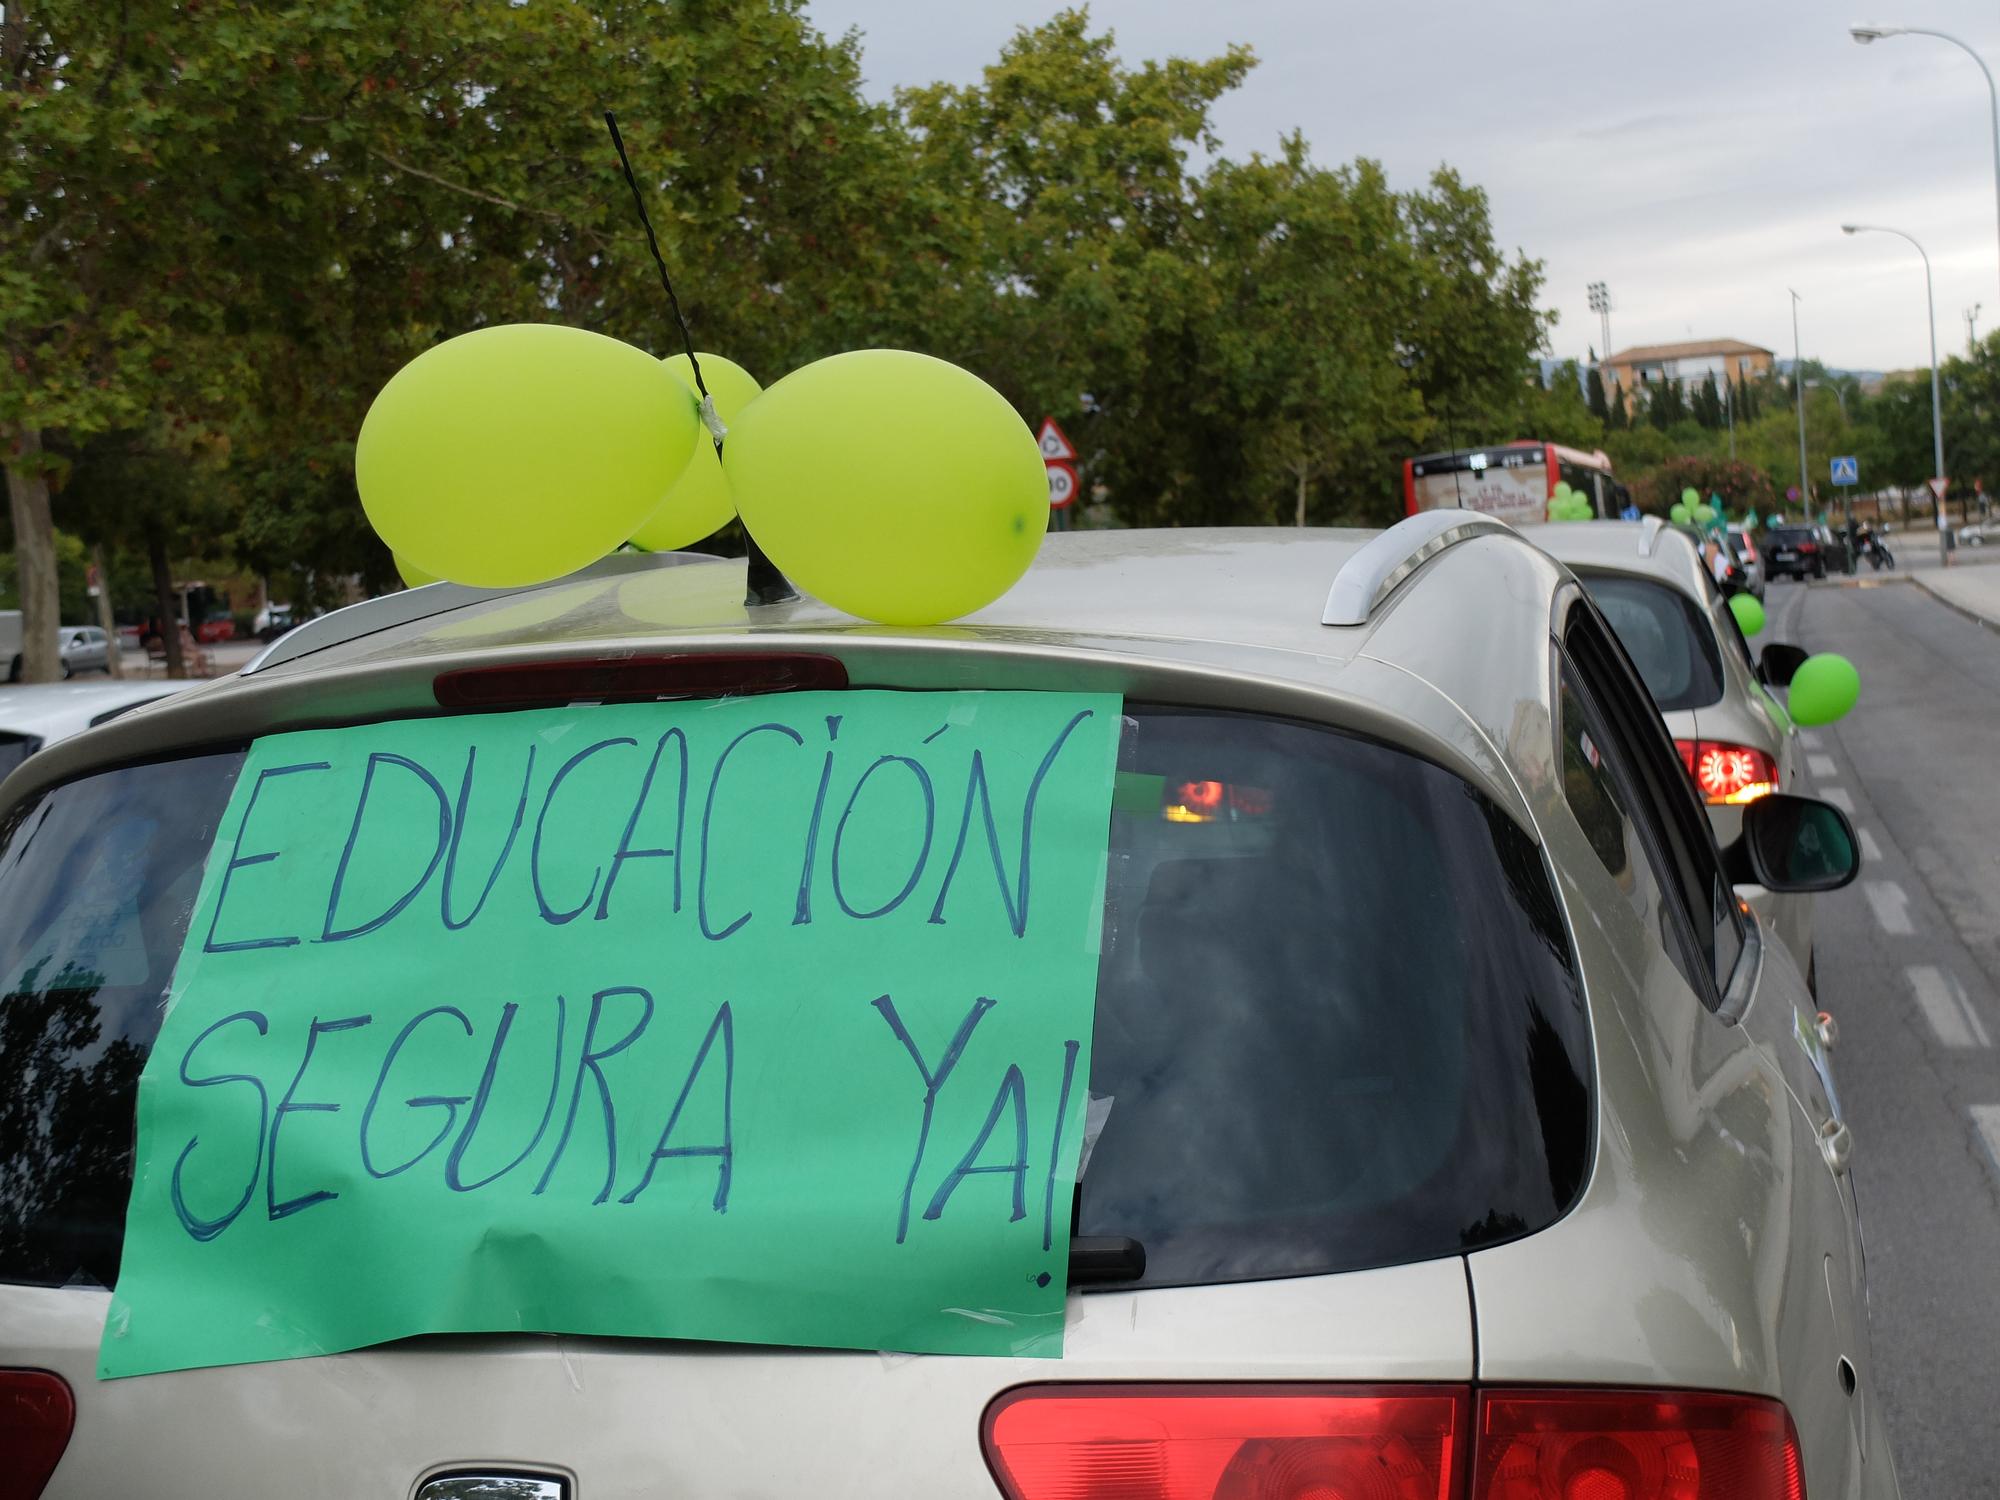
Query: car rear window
[(1787, 536), (1337, 1020), (1667, 637)]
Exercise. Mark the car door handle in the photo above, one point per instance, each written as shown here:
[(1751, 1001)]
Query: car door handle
[(1836, 1144)]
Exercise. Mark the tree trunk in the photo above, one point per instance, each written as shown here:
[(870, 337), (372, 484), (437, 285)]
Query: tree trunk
[(114, 654), (35, 559), (164, 602), (1300, 514)]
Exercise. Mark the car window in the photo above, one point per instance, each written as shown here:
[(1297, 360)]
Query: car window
[(1338, 1023), (1667, 636), (15, 748), (1660, 800), (1789, 536)]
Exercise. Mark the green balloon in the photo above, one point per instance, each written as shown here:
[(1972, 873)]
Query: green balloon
[(1824, 688), (699, 504), (516, 454), (413, 576), (945, 529), (1678, 514), (1749, 613), (1690, 497)]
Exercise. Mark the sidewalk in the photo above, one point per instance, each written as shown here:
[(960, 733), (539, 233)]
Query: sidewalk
[(1971, 585)]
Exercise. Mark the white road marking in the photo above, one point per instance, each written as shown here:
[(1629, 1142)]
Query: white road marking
[(1953, 1020), (1986, 1120), (1820, 765), (1810, 739), (1838, 797), (1870, 850), (1892, 907)]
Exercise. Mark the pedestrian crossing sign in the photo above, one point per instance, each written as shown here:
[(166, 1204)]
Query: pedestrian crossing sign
[(1847, 471)]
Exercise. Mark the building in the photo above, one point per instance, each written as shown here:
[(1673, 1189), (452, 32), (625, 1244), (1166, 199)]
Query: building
[(1687, 364)]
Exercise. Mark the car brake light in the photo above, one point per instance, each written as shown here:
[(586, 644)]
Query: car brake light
[(37, 1413), (1808, 546), (541, 684), (1728, 775), (1634, 1445), (1141, 1442)]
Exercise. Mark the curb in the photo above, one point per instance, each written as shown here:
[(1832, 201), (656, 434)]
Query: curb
[(1984, 622)]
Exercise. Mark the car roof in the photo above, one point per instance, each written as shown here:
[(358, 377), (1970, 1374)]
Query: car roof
[(1647, 549), (49, 709), (1448, 651)]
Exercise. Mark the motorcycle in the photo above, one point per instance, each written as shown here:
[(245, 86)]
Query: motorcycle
[(1877, 552)]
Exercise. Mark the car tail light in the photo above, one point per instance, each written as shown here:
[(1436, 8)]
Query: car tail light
[(1728, 775), (37, 1413), (541, 684), (1228, 1443), (1634, 1445), (1808, 546), (1257, 1442)]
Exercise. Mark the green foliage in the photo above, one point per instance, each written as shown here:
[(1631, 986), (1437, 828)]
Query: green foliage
[(1741, 485)]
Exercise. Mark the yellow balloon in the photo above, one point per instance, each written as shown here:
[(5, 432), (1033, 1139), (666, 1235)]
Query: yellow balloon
[(518, 454), (699, 504), (892, 485), (413, 576)]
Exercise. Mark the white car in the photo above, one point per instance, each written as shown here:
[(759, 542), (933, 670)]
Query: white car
[(1737, 742), (36, 715), (82, 648), (1453, 1132)]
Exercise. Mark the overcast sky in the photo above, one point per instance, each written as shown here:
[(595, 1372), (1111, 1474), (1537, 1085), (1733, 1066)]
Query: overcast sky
[(1698, 157)]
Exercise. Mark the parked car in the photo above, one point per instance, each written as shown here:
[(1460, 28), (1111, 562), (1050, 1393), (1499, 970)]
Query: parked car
[(273, 620), (35, 715), (1459, 1133), (79, 648), (1736, 743), (1742, 547), (1799, 552)]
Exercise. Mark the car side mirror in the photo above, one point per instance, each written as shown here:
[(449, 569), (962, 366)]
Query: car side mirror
[(1795, 846), (1779, 663)]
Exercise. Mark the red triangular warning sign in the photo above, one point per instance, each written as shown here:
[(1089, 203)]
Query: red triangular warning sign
[(1055, 443), (1938, 485)]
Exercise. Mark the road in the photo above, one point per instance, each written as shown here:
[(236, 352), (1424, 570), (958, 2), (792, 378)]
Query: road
[(1909, 966)]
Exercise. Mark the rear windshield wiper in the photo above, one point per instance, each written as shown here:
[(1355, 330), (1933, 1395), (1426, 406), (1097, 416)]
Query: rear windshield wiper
[(1102, 1259)]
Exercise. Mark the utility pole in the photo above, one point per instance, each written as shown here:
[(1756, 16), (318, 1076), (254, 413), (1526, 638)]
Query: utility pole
[(1799, 401), (1972, 330), (1729, 411)]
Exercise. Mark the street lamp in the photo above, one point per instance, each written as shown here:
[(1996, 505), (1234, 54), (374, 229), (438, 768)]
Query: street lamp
[(1866, 34), (1937, 404), (1600, 303), (1799, 402)]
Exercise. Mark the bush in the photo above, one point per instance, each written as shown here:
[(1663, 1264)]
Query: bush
[(1741, 485)]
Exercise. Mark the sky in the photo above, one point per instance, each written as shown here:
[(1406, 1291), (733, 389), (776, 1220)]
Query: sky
[(1699, 158)]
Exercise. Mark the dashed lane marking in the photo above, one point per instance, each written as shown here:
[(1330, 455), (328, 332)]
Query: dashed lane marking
[(1891, 906), (1952, 1019), (1810, 739), (1986, 1120), (1870, 850), (1820, 765), (1838, 797)]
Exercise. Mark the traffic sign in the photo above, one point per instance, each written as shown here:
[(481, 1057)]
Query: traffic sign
[(1938, 485), (1062, 486), (1847, 470), (1055, 443)]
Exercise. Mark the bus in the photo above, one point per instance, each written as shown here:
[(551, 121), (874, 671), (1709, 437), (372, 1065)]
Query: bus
[(1512, 481)]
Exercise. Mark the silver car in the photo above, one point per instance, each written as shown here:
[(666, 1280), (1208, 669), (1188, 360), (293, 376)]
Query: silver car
[(85, 648), (1454, 1131), (1735, 739)]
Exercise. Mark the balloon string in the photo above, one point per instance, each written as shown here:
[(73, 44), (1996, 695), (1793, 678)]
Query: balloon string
[(652, 243)]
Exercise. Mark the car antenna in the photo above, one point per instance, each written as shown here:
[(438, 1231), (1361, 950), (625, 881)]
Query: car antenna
[(763, 582)]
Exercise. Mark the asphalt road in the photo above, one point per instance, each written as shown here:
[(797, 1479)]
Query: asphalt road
[(1909, 966)]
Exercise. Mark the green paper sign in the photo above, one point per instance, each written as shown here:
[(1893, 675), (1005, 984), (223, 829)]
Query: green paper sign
[(760, 1020)]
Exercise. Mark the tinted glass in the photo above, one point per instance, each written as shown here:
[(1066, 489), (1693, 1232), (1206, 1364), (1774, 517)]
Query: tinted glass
[(1667, 637), (1788, 536), (15, 748), (1336, 1020), (1337, 1024), (96, 883)]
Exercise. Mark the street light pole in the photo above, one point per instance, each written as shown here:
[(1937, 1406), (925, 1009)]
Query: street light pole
[(1937, 403), (1866, 34), (1799, 401)]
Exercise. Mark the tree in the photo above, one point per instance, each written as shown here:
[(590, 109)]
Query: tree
[(1665, 405), (1742, 486), (1599, 406), (1708, 404)]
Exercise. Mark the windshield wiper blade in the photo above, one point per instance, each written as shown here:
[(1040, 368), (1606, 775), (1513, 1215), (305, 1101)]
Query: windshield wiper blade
[(1103, 1259)]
